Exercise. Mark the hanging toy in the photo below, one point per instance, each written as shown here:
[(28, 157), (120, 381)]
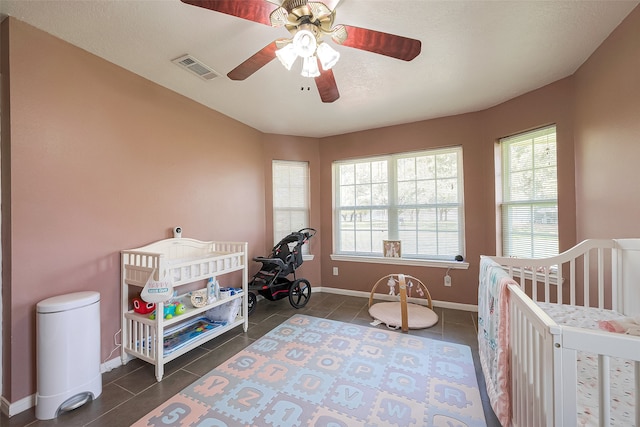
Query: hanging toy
[(409, 287), (392, 285)]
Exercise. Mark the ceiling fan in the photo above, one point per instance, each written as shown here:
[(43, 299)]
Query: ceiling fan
[(308, 22)]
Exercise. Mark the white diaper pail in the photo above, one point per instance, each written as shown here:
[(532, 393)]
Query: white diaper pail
[(68, 353)]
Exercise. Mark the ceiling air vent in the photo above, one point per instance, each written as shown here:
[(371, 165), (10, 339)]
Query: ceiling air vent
[(190, 63)]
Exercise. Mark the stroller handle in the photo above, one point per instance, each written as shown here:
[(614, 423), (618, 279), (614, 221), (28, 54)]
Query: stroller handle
[(308, 232)]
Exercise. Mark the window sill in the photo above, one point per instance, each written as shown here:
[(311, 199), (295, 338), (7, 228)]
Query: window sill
[(307, 257), (455, 265)]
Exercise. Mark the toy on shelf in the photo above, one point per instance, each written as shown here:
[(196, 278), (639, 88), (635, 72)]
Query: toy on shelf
[(142, 307), (171, 309), (213, 290), (199, 298)]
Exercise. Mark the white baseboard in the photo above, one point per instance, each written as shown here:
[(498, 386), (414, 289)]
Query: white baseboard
[(11, 409), (109, 365), (442, 304)]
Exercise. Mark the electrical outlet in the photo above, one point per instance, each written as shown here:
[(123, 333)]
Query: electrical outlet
[(447, 280), (335, 271)]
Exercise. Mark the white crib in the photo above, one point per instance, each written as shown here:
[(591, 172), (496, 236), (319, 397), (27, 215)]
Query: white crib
[(548, 377)]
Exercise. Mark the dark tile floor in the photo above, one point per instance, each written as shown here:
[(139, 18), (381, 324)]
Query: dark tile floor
[(131, 391)]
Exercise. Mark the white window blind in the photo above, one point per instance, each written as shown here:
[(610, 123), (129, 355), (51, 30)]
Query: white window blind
[(529, 206), (412, 197), (290, 198)]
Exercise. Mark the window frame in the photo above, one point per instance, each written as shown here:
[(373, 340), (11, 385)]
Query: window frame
[(305, 209), (393, 205), (504, 200)]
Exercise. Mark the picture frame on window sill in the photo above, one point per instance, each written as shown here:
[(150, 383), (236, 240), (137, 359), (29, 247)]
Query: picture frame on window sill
[(392, 248)]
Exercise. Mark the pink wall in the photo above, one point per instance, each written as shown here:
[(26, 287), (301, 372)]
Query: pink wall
[(5, 193), (96, 159), (607, 137), (103, 160)]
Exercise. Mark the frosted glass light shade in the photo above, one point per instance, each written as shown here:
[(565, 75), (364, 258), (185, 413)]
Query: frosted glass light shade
[(304, 43), (327, 55), (310, 67), (287, 55)]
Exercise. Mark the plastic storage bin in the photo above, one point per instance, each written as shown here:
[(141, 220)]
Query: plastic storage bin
[(68, 353)]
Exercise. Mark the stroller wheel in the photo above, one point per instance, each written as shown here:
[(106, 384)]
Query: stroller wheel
[(252, 301), (299, 293)]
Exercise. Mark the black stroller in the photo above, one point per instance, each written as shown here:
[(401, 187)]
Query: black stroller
[(271, 281)]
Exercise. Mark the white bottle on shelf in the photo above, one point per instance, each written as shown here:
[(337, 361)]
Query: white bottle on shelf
[(213, 290)]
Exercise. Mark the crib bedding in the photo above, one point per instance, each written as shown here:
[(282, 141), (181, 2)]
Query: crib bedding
[(493, 336), (622, 374)]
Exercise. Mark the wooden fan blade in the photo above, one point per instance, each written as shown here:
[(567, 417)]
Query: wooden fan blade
[(251, 10), (327, 86), (254, 62), (382, 43)]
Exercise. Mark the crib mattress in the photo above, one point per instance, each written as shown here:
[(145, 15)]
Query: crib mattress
[(622, 375)]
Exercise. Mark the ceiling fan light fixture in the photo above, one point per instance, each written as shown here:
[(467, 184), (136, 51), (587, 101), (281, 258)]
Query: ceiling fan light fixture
[(310, 67), (287, 56), (327, 55), (304, 43)]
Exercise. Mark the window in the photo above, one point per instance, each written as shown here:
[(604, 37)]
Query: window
[(412, 197), (290, 199), (529, 208)]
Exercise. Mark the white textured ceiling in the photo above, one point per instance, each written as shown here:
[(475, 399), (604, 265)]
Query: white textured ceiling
[(475, 54)]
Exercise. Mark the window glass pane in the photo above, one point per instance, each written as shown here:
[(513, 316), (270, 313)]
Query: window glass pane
[(407, 193), (406, 169), (363, 219), (347, 195), (379, 194), (447, 190), (409, 239), (412, 188), (363, 241), (426, 192), (347, 174), (348, 220), (545, 183), (380, 220), (407, 219), (347, 241), (446, 165), (363, 173), (379, 171), (363, 195), (425, 167), (521, 186), (427, 242)]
